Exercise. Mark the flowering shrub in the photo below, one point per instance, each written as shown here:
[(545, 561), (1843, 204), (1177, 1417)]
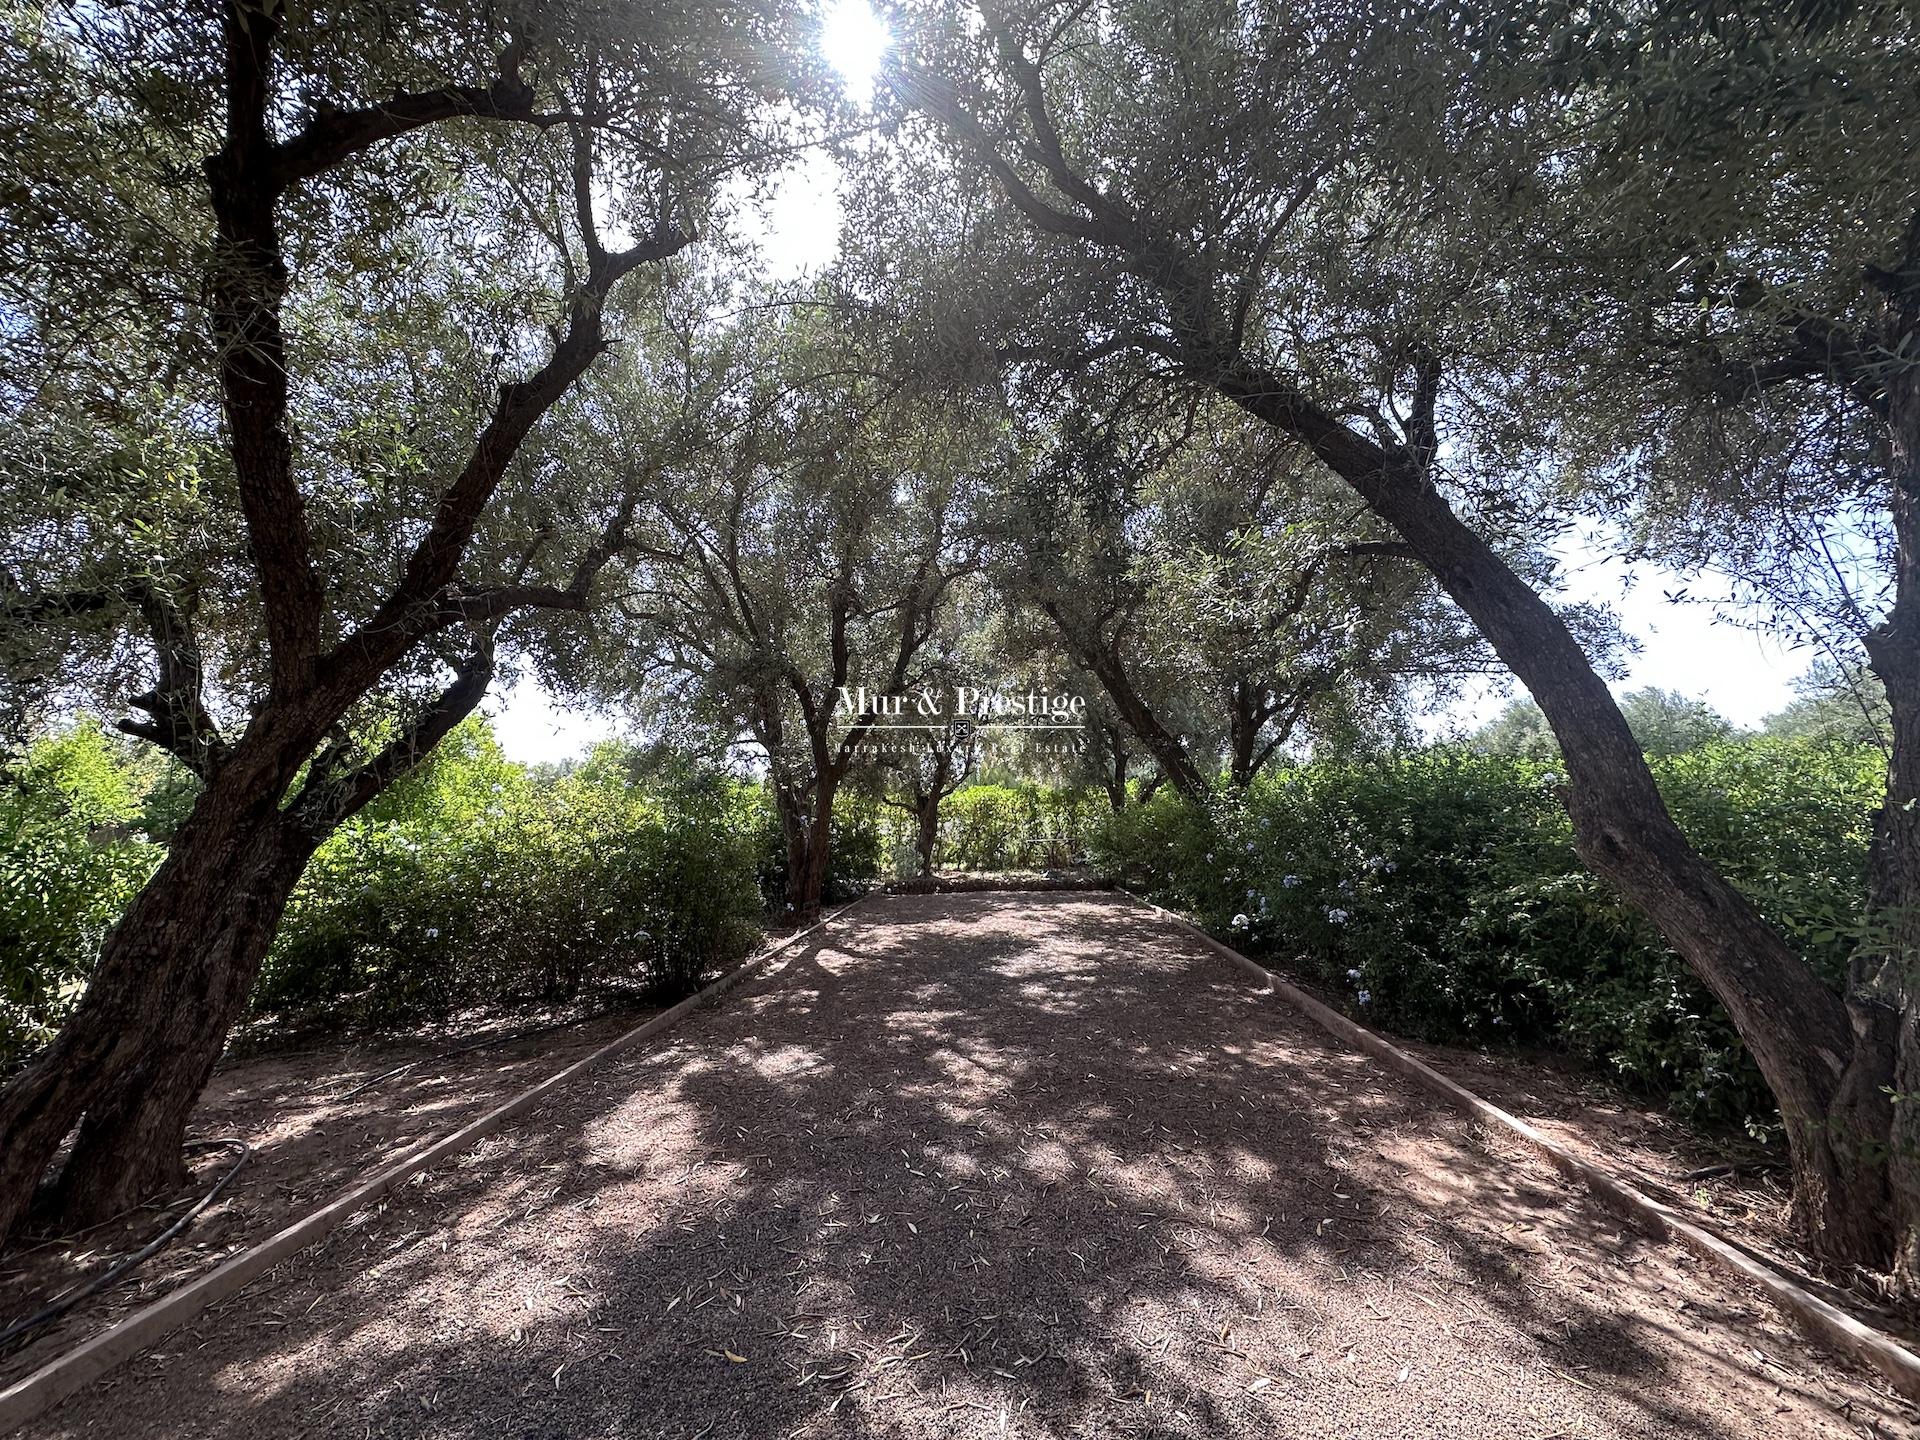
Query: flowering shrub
[(1440, 891)]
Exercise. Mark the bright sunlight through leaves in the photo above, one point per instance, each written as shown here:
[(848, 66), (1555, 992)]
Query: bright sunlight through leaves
[(854, 40)]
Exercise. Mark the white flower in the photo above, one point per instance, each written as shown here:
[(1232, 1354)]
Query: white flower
[(1249, 847), (1353, 974), (1338, 917), (433, 932), (1289, 881), (486, 884), (1499, 1020), (1365, 997), (1240, 922), (1209, 857)]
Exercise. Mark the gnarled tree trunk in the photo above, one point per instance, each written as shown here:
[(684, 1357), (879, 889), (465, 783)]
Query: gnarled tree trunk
[(173, 976), (1825, 1065), (1794, 1026), (808, 831), (1883, 999), (926, 818)]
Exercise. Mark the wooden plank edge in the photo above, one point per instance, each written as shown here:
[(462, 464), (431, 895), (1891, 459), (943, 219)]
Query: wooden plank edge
[(1827, 1322), (40, 1391)]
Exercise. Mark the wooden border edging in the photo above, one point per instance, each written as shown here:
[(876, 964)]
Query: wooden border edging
[(118, 1343), (1827, 1322)]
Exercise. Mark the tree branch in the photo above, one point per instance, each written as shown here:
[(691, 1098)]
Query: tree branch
[(328, 799), (179, 722), (332, 137), (247, 287)]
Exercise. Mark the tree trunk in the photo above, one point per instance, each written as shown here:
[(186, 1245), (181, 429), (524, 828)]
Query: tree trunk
[(809, 844), (1161, 743), (1244, 734), (1116, 779), (1134, 712), (1883, 996), (176, 971), (1794, 1026), (927, 813), (173, 976)]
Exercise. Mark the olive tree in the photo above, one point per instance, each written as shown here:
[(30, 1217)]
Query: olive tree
[(1740, 333), (293, 459), (1310, 214), (1223, 591), (789, 574)]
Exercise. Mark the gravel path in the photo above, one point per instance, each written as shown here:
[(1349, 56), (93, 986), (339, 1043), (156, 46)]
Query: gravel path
[(989, 1165)]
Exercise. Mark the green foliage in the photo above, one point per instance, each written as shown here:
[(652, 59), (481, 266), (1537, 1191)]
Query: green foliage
[(470, 881), (1015, 827), (71, 855), (1665, 722), (1439, 892), (1519, 732), (1842, 705), (854, 855)]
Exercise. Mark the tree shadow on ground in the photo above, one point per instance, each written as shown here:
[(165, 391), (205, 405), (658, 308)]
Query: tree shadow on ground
[(977, 1166)]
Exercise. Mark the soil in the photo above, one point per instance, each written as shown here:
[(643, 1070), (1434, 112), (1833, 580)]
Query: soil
[(989, 1165), (1745, 1199), (310, 1140)]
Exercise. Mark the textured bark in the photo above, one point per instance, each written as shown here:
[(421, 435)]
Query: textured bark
[(1107, 666), (1243, 734), (809, 836), (1796, 1029), (927, 830), (1116, 760), (173, 974), (1883, 996), (130, 1143), (1823, 1063)]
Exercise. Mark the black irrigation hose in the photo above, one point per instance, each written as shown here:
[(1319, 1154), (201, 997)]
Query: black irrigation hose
[(153, 1247)]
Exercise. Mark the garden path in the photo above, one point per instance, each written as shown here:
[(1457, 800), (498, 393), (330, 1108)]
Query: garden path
[(980, 1165)]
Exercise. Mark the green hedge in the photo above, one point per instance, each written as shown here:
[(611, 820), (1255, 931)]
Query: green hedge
[(1437, 891), (471, 881), (1440, 894), (1004, 827), (72, 853)]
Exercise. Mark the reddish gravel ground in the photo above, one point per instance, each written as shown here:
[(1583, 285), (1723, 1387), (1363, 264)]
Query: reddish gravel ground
[(989, 1165), (312, 1138)]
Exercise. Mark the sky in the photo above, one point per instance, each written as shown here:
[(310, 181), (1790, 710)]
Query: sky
[(1696, 646)]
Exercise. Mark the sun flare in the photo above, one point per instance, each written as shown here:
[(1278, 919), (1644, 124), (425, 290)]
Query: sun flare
[(854, 40)]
